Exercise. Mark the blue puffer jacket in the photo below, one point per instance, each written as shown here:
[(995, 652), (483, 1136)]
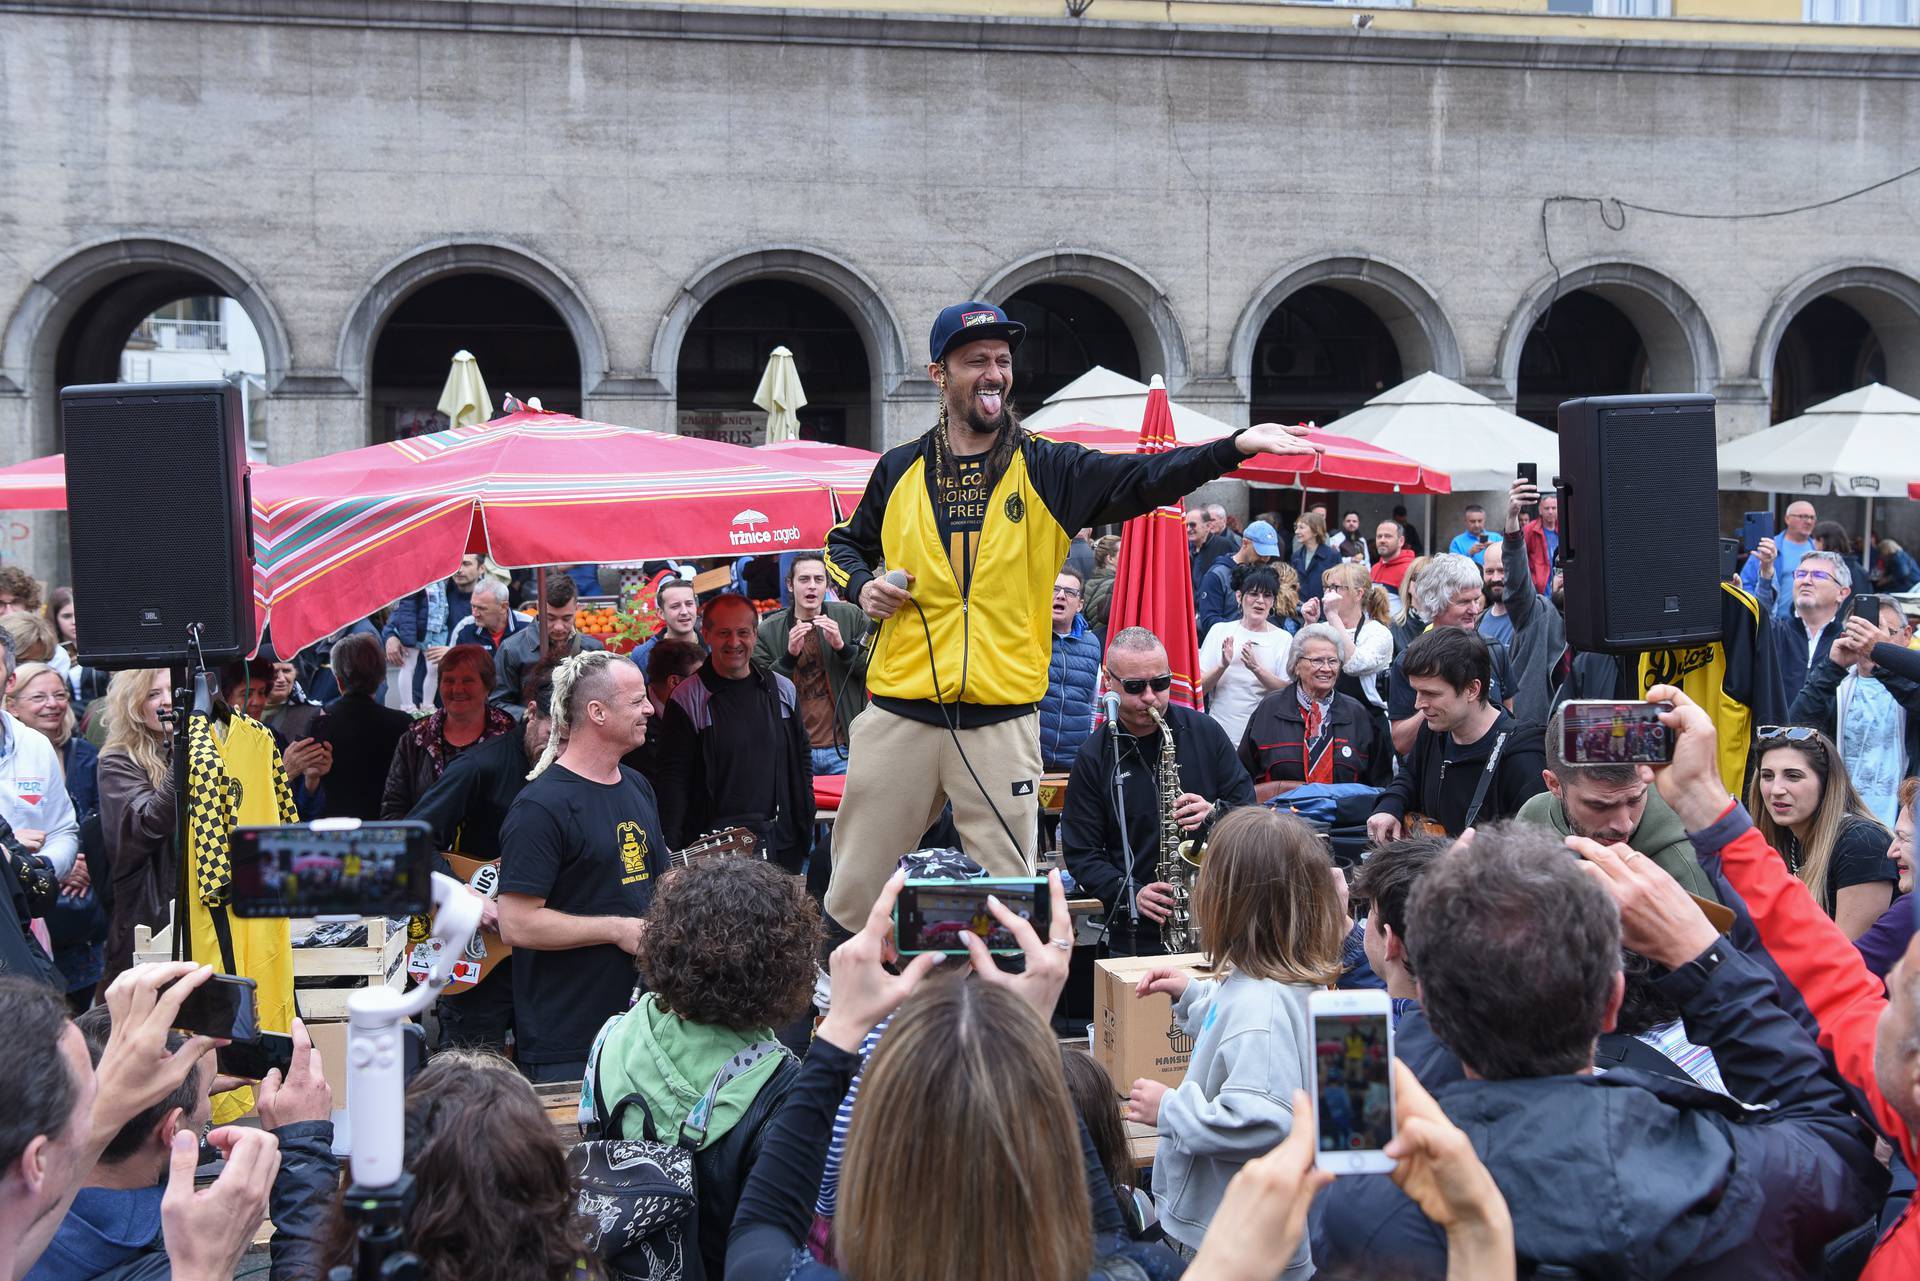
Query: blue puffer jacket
[(1066, 713)]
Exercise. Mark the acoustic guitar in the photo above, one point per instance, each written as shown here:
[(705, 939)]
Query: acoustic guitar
[(485, 950)]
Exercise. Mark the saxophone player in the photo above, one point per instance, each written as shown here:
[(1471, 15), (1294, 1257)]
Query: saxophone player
[(1210, 780)]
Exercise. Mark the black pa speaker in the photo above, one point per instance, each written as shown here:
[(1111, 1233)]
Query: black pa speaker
[(161, 530), (1639, 522)]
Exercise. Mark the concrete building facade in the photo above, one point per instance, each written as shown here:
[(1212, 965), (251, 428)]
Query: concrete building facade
[(1248, 193)]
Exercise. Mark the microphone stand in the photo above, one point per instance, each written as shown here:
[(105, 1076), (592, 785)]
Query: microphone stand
[(1126, 842)]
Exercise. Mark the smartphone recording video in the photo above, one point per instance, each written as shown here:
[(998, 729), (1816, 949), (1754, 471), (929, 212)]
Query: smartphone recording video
[(1352, 1080), (931, 915), (373, 869), (1606, 733), (222, 1006), (252, 1060)]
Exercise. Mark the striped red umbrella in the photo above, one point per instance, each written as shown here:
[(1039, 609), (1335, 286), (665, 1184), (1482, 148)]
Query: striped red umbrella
[(841, 468), (336, 538), (39, 484), (1153, 581)]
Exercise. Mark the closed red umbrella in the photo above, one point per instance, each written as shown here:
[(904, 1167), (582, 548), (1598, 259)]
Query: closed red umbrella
[(1153, 581), (336, 538)]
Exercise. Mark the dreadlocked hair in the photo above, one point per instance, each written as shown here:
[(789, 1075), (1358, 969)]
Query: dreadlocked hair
[(568, 675)]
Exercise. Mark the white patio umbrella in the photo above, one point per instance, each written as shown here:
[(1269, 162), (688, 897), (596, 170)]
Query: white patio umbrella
[(1107, 399), (464, 400), (1862, 444), (781, 395), (1456, 430)]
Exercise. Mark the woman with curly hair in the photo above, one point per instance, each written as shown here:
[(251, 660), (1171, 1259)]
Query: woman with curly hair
[(728, 956), (492, 1199)]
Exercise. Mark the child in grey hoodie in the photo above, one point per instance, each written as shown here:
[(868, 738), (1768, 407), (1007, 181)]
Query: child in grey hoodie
[(1270, 923)]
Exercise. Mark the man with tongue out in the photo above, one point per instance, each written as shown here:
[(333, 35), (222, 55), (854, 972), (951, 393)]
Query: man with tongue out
[(978, 515)]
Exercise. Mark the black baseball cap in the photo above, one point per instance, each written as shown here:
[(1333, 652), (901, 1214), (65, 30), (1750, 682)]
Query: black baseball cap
[(967, 321)]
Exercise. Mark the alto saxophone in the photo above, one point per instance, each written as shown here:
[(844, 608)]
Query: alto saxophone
[(1173, 867)]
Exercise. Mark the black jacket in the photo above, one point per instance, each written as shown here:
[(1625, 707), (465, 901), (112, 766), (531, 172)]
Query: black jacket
[(753, 771), (1818, 703), (467, 806), (1636, 1175), (364, 735), (720, 1172), (1442, 789), (1089, 836), (1796, 660), (1272, 748)]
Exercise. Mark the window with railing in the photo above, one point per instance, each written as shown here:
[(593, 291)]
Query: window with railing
[(1614, 8), (1868, 13)]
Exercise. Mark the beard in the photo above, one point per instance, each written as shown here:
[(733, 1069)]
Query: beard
[(970, 415)]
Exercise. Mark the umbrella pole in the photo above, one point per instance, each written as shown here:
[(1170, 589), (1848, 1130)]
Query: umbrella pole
[(540, 608), (1866, 533)]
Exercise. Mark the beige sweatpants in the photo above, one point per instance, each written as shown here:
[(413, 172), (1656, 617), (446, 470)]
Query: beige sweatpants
[(899, 775)]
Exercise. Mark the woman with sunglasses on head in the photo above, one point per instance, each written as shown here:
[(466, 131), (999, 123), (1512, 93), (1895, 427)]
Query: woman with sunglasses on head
[(1245, 659), (1805, 806)]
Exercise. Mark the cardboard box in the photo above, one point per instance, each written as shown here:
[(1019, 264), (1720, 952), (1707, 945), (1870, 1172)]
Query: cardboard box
[(1135, 1037), (331, 1040)]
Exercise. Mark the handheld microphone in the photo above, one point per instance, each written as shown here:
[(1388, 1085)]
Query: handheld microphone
[(897, 578), (1111, 701)]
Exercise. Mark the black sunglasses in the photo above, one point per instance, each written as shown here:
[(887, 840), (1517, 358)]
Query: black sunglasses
[(1139, 684)]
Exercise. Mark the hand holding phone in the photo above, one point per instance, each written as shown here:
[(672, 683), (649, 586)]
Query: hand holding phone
[(1353, 1101), (223, 1006), (1603, 732)]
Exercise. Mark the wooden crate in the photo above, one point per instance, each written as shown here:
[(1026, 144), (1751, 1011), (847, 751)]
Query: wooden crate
[(381, 959)]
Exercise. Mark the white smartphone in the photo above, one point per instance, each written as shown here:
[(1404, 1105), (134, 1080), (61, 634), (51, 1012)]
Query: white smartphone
[(1353, 1104)]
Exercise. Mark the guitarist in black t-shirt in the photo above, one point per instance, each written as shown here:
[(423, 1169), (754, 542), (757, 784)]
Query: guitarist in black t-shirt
[(580, 850)]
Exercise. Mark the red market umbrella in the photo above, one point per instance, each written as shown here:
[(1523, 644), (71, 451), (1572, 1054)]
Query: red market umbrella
[(39, 484), (1153, 582), (1913, 489), (336, 538), (841, 468), (1343, 465)]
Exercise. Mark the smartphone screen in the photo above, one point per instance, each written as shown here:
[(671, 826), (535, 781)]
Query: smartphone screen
[(252, 1060), (930, 915), (376, 869), (1352, 1072), (1603, 733), (222, 1006)]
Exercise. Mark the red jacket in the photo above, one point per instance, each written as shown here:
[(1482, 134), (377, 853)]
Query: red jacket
[(1390, 573), (1842, 993), (1538, 558)]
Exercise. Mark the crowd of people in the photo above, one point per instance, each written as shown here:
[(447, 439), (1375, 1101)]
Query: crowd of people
[(1649, 1021)]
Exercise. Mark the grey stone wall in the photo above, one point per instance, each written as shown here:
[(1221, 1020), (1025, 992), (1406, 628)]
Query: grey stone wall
[(319, 158)]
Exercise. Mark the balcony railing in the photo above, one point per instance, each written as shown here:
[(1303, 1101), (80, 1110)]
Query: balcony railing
[(180, 335)]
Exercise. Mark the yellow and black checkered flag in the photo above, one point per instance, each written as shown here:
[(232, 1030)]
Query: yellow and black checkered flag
[(212, 804)]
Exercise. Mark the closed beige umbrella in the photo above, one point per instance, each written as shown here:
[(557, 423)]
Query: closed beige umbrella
[(464, 400), (781, 395)]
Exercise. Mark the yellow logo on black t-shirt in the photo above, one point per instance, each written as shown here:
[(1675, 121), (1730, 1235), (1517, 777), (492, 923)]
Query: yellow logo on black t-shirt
[(632, 840)]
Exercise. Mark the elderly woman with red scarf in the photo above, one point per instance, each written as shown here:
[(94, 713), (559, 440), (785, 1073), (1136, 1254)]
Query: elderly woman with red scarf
[(464, 719), (1308, 731)]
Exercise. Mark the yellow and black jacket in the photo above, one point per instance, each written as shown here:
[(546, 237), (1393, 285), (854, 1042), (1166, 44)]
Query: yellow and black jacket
[(989, 649)]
